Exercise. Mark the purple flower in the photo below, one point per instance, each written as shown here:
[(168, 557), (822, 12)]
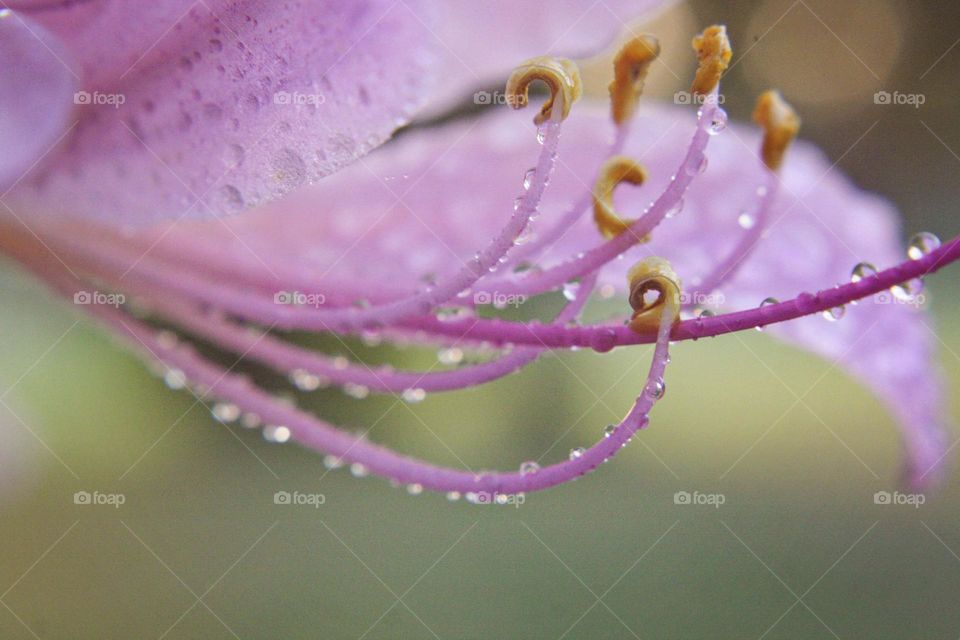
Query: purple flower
[(247, 105)]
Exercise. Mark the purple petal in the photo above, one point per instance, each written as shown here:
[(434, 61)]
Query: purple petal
[(36, 90), (420, 208), (482, 41), (201, 109)]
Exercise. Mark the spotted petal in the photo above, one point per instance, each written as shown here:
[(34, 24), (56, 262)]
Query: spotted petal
[(195, 109)]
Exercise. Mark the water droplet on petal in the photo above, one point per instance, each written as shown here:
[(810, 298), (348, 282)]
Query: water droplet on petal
[(609, 430), (907, 291), (450, 356), (542, 133), (922, 244), (675, 209), (570, 290), (276, 433), (576, 453), (453, 496), (175, 379), (332, 462), (357, 391), (414, 489), (529, 467), (862, 270), (304, 380), (745, 220)]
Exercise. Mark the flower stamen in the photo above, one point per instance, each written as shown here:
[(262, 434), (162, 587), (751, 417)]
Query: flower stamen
[(560, 75), (615, 170), (630, 67), (654, 290), (713, 55), (780, 126)]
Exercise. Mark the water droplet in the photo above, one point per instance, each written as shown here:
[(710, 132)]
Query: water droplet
[(862, 270), (570, 290), (603, 340), (542, 133), (357, 391), (175, 379), (675, 209), (718, 123), (704, 313), (413, 396), (304, 380), (453, 496), (276, 433), (835, 313), (332, 462), (517, 203), (745, 220), (225, 412), (358, 470), (656, 388), (922, 244), (529, 467), (450, 356), (576, 453), (609, 430), (415, 489), (907, 291), (167, 339), (528, 178)]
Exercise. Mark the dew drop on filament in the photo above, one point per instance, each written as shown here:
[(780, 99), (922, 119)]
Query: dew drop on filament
[(862, 270), (609, 430), (576, 453), (718, 123), (922, 244), (834, 313), (528, 178), (656, 388), (529, 467)]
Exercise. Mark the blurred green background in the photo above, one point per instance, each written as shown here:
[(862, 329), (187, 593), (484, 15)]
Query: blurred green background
[(798, 550)]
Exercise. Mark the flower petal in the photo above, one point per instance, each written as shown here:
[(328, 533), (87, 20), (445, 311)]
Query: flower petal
[(483, 41), (200, 109), (36, 89), (422, 207)]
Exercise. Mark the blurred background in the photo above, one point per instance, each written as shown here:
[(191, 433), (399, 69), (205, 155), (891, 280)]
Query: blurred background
[(799, 549)]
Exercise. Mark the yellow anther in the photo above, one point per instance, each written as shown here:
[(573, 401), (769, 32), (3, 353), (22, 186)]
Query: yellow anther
[(615, 170), (560, 75), (653, 284), (713, 56), (630, 67), (780, 126)]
